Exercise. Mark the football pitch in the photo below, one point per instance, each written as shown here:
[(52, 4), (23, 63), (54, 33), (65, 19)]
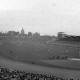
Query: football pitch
[(37, 50)]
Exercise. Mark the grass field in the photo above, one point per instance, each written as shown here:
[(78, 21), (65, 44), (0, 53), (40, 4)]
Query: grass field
[(28, 50), (32, 49), (60, 49)]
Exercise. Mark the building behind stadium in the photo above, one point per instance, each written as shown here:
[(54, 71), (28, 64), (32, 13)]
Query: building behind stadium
[(66, 37)]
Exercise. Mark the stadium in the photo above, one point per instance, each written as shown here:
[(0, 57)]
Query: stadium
[(39, 40), (38, 58)]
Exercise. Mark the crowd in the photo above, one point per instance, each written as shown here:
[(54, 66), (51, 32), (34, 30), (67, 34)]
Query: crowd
[(10, 74)]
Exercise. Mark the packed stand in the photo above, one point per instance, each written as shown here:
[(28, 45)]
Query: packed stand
[(9, 74)]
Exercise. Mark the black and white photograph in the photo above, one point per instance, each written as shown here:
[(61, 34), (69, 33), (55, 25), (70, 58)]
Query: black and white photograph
[(39, 39)]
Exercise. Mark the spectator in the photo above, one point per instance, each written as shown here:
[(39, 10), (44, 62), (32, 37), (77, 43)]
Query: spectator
[(9, 74)]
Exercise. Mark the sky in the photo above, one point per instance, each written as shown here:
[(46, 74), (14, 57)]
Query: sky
[(44, 16)]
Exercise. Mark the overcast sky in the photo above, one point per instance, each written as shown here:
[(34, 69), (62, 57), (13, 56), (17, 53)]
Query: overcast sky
[(44, 16)]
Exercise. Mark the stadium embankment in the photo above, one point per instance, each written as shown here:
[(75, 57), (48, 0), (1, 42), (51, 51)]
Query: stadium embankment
[(11, 64)]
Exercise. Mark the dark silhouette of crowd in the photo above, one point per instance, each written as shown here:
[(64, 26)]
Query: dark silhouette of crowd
[(60, 57), (10, 74)]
